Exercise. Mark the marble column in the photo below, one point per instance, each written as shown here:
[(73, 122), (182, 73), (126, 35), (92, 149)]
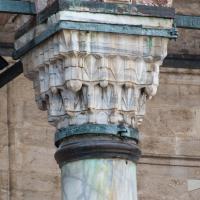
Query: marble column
[(99, 179), (94, 85)]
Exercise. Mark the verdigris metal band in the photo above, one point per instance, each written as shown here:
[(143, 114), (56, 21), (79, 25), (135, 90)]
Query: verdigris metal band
[(97, 147), (94, 27), (96, 129), (189, 22), (17, 7)]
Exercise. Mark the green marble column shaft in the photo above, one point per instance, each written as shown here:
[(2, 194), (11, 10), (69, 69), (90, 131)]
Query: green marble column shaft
[(99, 179)]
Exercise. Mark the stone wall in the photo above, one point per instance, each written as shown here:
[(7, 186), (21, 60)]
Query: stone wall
[(27, 168), (4, 149), (170, 138)]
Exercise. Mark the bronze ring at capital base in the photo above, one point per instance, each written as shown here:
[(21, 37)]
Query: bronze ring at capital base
[(90, 147)]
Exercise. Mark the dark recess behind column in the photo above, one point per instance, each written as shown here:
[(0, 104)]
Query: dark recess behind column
[(3, 63), (11, 73), (182, 61)]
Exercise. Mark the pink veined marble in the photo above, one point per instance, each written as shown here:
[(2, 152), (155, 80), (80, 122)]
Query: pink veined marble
[(155, 2), (167, 3), (145, 2)]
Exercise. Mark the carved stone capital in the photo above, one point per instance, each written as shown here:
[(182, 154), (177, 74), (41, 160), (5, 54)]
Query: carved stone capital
[(95, 67), (92, 77)]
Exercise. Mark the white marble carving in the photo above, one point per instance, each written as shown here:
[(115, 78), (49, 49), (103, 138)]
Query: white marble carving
[(89, 77)]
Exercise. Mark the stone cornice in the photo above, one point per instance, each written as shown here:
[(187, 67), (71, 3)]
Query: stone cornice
[(94, 22)]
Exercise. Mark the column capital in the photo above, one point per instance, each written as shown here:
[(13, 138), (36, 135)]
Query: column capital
[(95, 68), (100, 78)]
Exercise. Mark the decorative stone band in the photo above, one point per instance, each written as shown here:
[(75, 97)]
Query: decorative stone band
[(88, 147), (95, 22), (98, 130), (22, 48)]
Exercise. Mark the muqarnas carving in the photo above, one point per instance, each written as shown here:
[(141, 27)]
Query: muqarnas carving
[(102, 78)]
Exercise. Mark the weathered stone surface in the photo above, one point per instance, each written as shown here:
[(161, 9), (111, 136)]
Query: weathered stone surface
[(184, 46), (170, 138), (4, 150), (145, 2), (174, 116), (80, 81), (186, 7), (32, 170), (166, 182)]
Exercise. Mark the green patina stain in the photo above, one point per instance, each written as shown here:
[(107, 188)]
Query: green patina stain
[(150, 42), (99, 176), (76, 3)]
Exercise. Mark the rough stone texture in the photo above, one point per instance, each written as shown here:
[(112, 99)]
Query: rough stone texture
[(6, 27), (170, 138), (33, 172), (184, 46), (174, 116), (145, 2), (187, 7), (166, 182), (4, 159)]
